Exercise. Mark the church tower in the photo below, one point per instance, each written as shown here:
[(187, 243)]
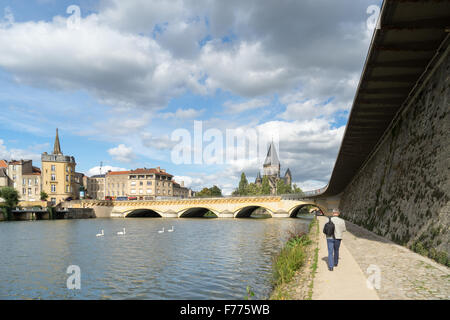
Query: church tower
[(271, 165), (58, 174)]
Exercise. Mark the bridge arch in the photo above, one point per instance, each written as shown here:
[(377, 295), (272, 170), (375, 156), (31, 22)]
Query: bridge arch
[(296, 209), (246, 211), (140, 213), (195, 212)]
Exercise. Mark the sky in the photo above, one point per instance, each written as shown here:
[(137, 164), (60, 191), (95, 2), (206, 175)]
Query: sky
[(142, 83)]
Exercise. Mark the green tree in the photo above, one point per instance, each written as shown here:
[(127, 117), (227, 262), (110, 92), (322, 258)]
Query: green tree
[(10, 196), (243, 184), (283, 188), (44, 196), (215, 191), (296, 189), (253, 189), (265, 186)]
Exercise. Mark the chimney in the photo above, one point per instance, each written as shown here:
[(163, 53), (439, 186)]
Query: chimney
[(182, 184), (158, 169)]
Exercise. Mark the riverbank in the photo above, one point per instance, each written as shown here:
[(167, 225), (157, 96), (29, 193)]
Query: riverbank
[(295, 266)]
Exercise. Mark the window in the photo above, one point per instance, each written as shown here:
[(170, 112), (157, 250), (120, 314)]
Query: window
[(67, 177), (24, 191), (133, 183), (29, 182), (29, 192), (149, 183), (24, 181), (149, 190), (140, 191), (53, 178), (14, 167), (53, 188), (67, 169), (14, 177), (133, 191), (36, 181), (53, 167), (53, 200), (141, 183)]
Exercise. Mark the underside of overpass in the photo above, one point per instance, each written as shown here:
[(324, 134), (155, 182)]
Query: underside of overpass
[(391, 174)]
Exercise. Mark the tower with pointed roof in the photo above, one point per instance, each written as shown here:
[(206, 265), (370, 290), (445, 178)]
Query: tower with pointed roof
[(272, 169), (58, 174)]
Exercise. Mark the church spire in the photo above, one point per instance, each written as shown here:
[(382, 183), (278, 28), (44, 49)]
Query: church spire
[(57, 147)]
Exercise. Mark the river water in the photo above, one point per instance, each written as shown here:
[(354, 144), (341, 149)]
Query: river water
[(202, 259)]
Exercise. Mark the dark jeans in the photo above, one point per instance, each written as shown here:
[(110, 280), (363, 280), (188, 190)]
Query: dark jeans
[(333, 251)]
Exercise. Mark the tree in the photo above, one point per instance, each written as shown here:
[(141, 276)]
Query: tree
[(253, 189), (283, 188), (265, 186), (44, 196), (296, 189), (243, 185), (214, 191), (10, 196)]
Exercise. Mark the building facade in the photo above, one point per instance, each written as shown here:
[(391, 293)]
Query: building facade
[(22, 176), (143, 184), (272, 170), (96, 187), (58, 174)]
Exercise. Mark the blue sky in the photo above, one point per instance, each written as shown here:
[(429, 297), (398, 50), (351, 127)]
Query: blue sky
[(121, 79)]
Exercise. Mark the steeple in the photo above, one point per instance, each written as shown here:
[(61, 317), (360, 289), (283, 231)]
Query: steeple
[(272, 157), (57, 147)]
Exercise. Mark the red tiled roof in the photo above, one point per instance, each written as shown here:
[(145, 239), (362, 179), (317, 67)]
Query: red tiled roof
[(146, 171), (3, 164), (115, 173)]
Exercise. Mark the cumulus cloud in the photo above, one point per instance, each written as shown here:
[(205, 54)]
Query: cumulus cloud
[(97, 170), (18, 154), (234, 107), (122, 153), (182, 114)]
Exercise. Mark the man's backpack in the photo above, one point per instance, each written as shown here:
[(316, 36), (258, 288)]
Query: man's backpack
[(328, 228)]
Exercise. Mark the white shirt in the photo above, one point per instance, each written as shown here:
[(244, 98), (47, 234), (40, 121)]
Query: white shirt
[(339, 227)]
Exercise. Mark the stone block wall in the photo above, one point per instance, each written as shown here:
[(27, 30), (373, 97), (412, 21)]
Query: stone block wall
[(403, 192)]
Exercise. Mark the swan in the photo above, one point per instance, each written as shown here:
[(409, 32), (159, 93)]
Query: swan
[(170, 230), (161, 231), (100, 234), (121, 232)]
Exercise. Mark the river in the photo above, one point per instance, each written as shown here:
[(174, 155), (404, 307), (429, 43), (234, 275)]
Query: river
[(202, 259)]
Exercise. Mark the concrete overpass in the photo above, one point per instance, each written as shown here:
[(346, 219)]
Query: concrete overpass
[(392, 172), (223, 207)]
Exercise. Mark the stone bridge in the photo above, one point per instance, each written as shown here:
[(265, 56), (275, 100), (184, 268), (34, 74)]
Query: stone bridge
[(223, 207)]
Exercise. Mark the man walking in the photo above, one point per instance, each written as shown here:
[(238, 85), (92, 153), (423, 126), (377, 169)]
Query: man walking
[(334, 238)]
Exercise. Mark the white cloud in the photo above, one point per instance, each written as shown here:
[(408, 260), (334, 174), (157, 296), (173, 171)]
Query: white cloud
[(234, 107), (18, 154), (182, 114), (122, 153), (97, 170)]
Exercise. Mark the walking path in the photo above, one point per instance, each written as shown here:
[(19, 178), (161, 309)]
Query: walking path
[(403, 274), (346, 281)]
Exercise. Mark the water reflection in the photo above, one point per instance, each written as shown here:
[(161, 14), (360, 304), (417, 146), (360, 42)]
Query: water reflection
[(201, 259)]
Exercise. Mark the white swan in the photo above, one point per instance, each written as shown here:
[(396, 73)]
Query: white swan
[(100, 234), (161, 231), (121, 232), (170, 230)]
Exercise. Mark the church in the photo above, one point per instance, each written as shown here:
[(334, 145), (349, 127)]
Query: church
[(271, 169)]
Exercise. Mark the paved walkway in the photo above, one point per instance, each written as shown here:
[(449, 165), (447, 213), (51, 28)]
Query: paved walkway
[(403, 274), (346, 281)]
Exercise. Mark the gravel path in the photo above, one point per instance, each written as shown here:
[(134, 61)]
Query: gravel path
[(404, 274)]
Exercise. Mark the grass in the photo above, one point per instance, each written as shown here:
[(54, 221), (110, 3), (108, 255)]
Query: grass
[(291, 258), (314, 265)]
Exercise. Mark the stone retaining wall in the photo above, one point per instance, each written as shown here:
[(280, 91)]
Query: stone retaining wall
[(403, 191)]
